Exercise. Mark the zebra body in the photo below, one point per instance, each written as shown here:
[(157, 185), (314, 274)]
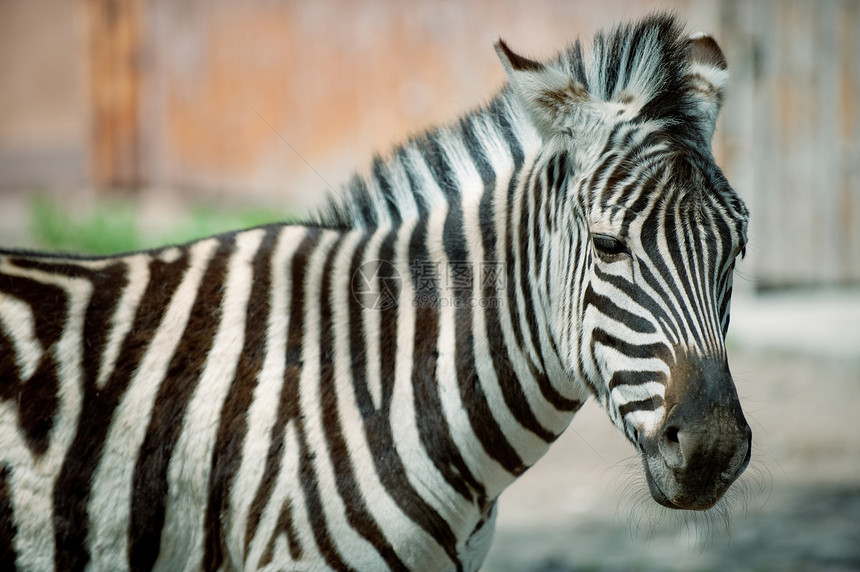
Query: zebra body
[(218, 429), (356, 392)]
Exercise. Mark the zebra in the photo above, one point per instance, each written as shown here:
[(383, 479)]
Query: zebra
[(355, 391)]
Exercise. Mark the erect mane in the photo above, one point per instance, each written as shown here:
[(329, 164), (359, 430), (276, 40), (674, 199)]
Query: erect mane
[(397, 186), (644, 60)]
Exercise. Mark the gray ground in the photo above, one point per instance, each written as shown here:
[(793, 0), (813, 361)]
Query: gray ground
[(796, 362)]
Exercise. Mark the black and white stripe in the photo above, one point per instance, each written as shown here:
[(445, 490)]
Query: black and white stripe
[(237, 403)]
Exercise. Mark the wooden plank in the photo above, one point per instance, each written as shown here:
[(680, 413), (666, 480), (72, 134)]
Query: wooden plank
[(114, 30), (848, 200), (735, 131), (763, 208)]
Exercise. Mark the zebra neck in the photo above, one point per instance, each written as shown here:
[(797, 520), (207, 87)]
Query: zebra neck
[(469, 342), (482, 357)]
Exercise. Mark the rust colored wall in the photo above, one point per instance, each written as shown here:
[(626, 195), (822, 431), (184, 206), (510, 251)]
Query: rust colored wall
[(273, 100), (236, 92), (43, 119)]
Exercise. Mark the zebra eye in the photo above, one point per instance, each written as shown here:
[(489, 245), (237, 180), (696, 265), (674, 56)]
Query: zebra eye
[(609, 245)]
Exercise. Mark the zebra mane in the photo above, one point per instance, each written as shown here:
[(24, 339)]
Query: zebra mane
[(645, 60)]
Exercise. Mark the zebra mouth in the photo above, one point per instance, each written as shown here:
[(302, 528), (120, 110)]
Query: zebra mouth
[(658, 494), (684, 498), (663, 499), (696, 485)]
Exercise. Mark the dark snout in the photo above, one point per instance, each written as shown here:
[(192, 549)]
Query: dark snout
[(704, 442)]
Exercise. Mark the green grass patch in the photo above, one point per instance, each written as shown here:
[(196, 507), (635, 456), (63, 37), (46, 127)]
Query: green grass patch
[(112, 227), (107, 229)]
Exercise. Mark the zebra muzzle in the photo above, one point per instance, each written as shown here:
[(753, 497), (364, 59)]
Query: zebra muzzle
[(702, 447)]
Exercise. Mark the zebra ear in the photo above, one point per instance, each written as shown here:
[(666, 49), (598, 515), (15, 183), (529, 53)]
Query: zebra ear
[(549, 95), (709, 75)]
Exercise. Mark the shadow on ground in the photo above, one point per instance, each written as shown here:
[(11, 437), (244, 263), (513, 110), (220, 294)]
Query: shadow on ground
[(802, 529)]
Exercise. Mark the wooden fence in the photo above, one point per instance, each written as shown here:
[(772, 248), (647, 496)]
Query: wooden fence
[(791, 136), (223, 95)]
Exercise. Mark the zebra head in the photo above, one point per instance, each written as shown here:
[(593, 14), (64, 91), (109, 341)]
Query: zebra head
[(644, 233)]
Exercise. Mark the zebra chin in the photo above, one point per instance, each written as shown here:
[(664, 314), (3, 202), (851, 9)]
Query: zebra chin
[(687, 494)]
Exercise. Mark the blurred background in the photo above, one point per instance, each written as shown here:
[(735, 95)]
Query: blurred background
[(127, 124)]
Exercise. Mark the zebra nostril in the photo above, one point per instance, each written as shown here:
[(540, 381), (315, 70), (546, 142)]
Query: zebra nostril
[(670, 447), (672, 435)]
